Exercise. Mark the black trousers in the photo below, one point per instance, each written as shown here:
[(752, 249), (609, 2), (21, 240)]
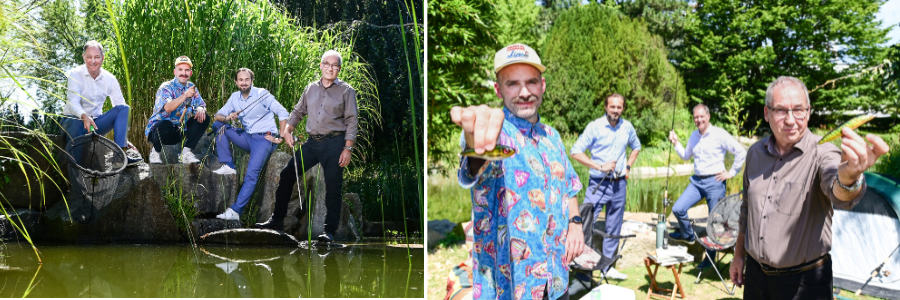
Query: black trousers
[(812, 284), (327, 153), (166, 133)]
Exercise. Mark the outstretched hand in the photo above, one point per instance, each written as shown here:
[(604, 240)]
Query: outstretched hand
[(857, 156), (481, 125)]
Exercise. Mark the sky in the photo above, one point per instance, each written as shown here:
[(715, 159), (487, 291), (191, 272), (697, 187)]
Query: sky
[(889, 15)]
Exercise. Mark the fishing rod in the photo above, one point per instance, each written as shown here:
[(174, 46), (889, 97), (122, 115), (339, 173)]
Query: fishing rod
[(662, 239), (876, 271)]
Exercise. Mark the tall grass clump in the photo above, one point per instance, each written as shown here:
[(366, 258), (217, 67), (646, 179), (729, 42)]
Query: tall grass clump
[(27, 154), (221, 36)]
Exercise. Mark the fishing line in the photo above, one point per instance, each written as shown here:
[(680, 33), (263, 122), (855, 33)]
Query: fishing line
[(877, 270)]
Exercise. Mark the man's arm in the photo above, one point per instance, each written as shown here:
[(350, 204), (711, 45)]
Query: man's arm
[(575, 235), (351, 116), (740, 154), (175, 103), (115, 94), (857, 157), (633, 157)]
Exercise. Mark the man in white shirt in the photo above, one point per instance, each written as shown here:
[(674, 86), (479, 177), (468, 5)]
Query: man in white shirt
[(707, 145), (89, 85)]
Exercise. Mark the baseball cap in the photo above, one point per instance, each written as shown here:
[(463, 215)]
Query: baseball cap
[(517, 54), (183, 60)]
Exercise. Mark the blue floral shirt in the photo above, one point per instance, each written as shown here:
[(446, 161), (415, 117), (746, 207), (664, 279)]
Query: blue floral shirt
[(168, 91), (521, 213)]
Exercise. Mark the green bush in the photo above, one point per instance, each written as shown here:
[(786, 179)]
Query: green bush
[(593, 51)]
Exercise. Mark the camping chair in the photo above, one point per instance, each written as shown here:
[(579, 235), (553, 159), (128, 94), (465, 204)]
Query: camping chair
[(582, 274), (721, 232)]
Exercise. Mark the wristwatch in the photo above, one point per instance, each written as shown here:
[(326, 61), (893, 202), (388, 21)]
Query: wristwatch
[(628, 167), (349, 148), (856, 185), (576, 220)]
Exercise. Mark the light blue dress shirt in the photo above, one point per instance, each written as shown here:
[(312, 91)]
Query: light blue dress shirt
[(709, 150), (256, 116), (607, 143)]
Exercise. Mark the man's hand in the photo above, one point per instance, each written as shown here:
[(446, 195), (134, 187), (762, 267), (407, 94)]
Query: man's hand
[(190, 92), (574, 242), (231, 116), (200, 115), (722, 176), (344, 160), (673, 137), (737, 271), (287, 136), (88, 122), (481, 125), (857, 156), (608, 166), (274, 139)]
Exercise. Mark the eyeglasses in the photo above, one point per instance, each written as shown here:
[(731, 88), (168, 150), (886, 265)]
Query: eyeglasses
[(330, 66), (799, 113)]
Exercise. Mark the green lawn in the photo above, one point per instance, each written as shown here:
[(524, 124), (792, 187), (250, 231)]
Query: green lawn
[(442, 260)]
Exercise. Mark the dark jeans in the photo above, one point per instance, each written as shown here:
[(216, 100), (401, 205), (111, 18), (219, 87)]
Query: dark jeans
[(165, 133), (327, 153), (812, 284)]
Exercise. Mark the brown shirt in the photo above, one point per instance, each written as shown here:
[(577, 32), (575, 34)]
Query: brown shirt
[(329, 109), (787, 208)]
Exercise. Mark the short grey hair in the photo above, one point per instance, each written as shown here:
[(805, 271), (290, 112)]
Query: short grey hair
[(94, 44), (785, 81), (333, 53), (701, 105)]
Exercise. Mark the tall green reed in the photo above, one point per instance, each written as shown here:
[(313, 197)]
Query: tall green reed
[(221, 36), (410, 7)]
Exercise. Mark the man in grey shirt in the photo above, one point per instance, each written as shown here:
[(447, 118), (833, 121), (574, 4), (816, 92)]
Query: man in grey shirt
[(330, 107), (790, 186)]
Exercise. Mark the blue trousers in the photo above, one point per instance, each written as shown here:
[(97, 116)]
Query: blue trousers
[(698, 188), (259, 149), (115, 119), (611, 194)]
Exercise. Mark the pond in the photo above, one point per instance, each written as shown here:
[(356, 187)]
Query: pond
[(367, 269)]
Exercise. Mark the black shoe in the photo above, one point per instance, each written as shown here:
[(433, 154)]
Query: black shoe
[(325, 237), (270, 224)]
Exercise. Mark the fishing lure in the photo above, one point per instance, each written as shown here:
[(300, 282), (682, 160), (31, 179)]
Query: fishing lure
[(499, 152), (852, 124)]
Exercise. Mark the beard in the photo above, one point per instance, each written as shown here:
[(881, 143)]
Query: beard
[(525, 113), (245, 90)]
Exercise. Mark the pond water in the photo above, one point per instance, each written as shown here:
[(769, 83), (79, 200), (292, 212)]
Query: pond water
[(367, 269)]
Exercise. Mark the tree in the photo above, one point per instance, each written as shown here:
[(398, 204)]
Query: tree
[(461, 46), (517, 22), (594, 51), (746, 45), (664, 18)]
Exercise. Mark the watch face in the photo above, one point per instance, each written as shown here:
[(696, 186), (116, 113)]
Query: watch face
[(577, 220)]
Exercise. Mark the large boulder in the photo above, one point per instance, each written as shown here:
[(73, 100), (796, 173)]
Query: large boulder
[(210, 193), (270, 181), (201, 227), (28, 191), (350, 227), (316, 226), (27, 219), (136, 212)]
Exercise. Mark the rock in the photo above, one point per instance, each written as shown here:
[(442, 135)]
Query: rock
[(211, 193), (201, 227), (351, 217), (249, 236), (27, 218), (270, 181), (438, 230), (318, 207), (27, 191), (135, 212)]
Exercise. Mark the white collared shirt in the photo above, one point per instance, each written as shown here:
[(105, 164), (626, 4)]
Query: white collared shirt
[(709, 150), (87, 95)]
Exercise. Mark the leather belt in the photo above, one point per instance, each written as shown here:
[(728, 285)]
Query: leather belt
[(323, 137), (769, 270), (705, 176), (610, 179)]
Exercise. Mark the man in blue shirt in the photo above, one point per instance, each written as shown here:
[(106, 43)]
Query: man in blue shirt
[(524, 239), (607, 138), (707, 145), (179, 115), (255, 109)]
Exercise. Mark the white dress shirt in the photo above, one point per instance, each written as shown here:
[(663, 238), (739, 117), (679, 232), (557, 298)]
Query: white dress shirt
[(93, 91), (709, 150)]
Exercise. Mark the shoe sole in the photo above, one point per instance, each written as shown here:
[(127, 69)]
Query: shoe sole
[(683, 241)]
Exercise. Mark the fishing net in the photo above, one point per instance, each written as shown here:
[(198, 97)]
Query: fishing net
[(94, 166), (723, 222)]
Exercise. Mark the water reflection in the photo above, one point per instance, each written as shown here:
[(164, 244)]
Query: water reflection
[(363, 270)]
